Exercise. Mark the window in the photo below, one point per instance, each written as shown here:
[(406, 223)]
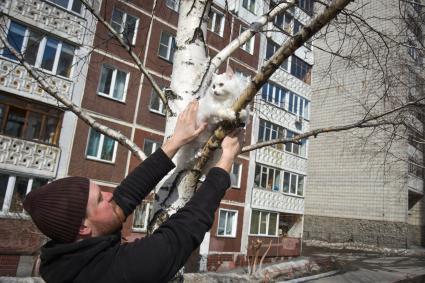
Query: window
[(263, 223), (284, 21), (173, 4), (271, 48), (26, 120), (416, 169), (299, 149), (101, 147), (269, 131), (267, 177), (113, 83), (301, 69), (125, 24), (39, 50), (167, 45), (141, 216), (235, 175), (13, 190), (150, 147), (274, 94), (293, 184), (227, 223), (249, 45), (73, 5), (216, 22), (298, 105), (307, 6), (249, 5), (155, 104)]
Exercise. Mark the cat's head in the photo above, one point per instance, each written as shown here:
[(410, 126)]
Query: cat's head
[(225, 86)]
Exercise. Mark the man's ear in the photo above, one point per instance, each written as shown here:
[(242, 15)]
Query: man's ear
[(85, 230)]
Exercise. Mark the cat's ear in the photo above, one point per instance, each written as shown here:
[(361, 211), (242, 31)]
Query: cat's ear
[(229, 72)]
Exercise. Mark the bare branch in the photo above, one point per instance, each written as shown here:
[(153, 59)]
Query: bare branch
[(130, 51), (77, 110)]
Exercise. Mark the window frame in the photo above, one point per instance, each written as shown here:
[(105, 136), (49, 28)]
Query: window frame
[(299, 65), (307, 6), (276, 90), (234, 224), (238, 177), (100, 147), (41, 50), (8, 196), (124, 24), (269, 129), (170, 46), (69, 6), (268, 213), (213, 18), (162, 109), (112, 83), (175, 7), (148, 209), (248, 46), (155, 145), (251, 6)]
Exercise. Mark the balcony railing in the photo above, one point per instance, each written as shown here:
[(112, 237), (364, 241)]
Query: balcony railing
[(275, 201), (280, 159), (415, 184), (47, 16), (15, 79), (28, 157)]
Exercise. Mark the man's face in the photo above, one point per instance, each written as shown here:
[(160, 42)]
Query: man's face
[(101, 216)]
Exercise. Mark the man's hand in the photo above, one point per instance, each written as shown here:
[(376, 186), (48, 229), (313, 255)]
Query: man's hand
[(231, 145), (186, 130)]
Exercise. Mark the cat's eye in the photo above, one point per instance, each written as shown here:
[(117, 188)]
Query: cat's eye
[(220, 84)]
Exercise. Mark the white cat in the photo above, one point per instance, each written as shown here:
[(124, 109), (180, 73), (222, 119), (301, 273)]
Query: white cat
[(214, 107)]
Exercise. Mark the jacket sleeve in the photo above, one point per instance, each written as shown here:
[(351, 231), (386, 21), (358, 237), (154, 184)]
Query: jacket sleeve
[(138, 184), (158, 257)]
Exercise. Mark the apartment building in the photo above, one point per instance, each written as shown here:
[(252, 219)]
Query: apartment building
[(366, 186)]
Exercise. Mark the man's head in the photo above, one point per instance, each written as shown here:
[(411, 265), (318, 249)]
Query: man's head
[(72, 208)]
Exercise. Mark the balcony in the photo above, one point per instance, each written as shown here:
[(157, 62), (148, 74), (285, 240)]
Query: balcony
[(415, 184), (275, 201), (292, 83), (47, 16), (15, 79), (28, 157), (280, 159)]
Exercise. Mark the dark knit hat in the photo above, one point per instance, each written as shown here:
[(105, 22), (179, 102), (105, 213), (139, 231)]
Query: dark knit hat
[(58, 208)]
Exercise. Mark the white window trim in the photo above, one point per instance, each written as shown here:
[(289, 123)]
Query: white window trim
[(112, 87), (255, 7), (238, 183), (296, 184), (234, 226), (169, 46), (250, 43), (99, 150), (175, 8), (69, 7), (155, 145), (146, 220), (214, 19), (162, 109), (4, 210), (267, 223), (123, 23), (41, 49)]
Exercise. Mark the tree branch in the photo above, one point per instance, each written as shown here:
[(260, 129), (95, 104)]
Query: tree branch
[(77, 110), (130, 51)]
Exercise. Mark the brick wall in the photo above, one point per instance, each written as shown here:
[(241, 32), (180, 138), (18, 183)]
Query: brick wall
[(8, 265)]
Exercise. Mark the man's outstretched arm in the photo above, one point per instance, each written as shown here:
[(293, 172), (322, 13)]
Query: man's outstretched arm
[(140, 182)]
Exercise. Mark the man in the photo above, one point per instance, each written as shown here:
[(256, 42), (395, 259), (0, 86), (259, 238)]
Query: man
[(84, 222)]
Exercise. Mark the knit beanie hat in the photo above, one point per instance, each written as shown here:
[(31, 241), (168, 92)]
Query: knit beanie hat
[(58, 208)]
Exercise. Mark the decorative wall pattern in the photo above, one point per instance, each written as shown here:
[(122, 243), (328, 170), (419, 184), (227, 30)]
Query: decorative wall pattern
[(280, 159), (15, 78), (292, 83), (28, 157), (47, 16), (275, 201)]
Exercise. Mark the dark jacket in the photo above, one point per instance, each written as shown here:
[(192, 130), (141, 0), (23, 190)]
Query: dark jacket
[(155, 258)]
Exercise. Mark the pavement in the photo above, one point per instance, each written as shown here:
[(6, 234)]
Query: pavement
[(358, 266)]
